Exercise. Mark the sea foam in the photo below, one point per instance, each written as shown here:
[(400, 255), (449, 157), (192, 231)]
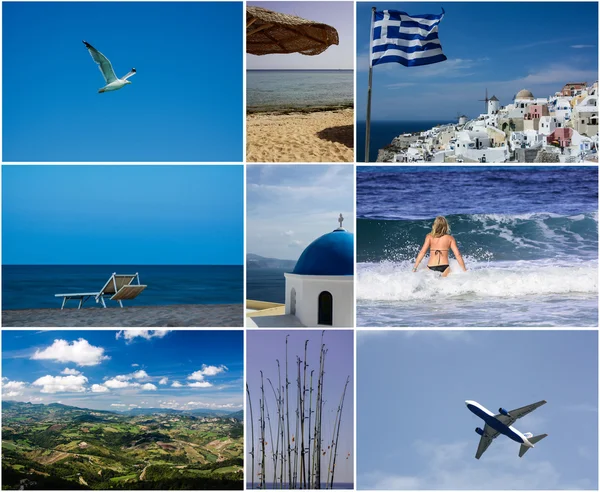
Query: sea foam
[(395, 281)]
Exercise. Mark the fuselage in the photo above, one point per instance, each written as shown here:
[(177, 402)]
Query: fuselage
[(490, 419)]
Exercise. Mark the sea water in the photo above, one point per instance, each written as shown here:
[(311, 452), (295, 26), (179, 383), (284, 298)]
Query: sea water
[(288, 89), (529, 237), (266, 284), (383, 132), (34, 286)]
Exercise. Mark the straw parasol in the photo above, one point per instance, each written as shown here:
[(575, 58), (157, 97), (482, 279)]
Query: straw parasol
[(270, 32)]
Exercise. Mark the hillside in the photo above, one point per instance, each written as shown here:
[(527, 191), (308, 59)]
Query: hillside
[(61, 447), (256, 261)]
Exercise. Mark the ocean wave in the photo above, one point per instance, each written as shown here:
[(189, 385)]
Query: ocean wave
[(395, 281), (485, 237)]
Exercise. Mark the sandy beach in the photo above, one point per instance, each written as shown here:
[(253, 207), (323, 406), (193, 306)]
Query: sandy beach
[(188, 315), (316, 136)]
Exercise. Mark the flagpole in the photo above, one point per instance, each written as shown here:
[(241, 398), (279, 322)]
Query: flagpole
[(368, 135)]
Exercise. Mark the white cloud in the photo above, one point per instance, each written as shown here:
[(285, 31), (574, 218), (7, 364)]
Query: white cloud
[(200, 384), (131, 335), (98, 388), (72, 372), (12, 385), (149, 387), (213, 406), (164, 380), (169, 404), (207, 371), (12, 394), (135, 365), (118, 405), (452, 466), (117, 383), (141, 374), (580, 46), (61, 384), (79, 352), (176, 384)]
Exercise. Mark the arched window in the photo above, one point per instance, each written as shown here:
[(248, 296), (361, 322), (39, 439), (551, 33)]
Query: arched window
[(293, 301), (325, 316)]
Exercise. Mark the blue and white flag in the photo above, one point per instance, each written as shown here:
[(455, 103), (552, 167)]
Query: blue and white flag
[(406, 39)]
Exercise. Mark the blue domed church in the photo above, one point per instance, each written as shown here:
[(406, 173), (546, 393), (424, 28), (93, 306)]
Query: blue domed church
[(320, 290)]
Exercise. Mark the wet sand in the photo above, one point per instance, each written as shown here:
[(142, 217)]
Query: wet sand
[(317, 136), (188, 315)]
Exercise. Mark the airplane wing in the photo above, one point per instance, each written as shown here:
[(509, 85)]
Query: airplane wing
[(518, 413), (488, 436)]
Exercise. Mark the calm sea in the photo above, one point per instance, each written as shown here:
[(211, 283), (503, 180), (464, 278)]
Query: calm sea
[(282, 89), (266, 284), (529, 237), (34, 286), (383, 132)]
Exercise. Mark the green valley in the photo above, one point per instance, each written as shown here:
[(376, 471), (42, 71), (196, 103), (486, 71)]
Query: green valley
[(62, 447)]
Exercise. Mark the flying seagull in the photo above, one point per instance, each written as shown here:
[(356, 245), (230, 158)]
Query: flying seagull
[(112, 82)]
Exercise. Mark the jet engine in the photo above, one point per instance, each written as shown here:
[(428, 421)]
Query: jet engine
[(503, 412), (479, 431)]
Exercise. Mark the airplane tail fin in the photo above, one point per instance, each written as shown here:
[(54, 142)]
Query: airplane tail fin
[(532, 440)]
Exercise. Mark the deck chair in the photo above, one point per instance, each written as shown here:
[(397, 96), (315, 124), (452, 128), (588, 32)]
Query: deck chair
[(117, 287)]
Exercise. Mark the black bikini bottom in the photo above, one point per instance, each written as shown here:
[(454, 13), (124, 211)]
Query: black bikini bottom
[(439, 268)]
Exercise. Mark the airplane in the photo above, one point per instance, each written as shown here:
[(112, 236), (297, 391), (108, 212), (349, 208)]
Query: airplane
[(502, 424)]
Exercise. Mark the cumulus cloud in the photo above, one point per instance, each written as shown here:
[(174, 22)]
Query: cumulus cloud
[(116, 383), (72, 372), (200, 384), (12, 385), (452, 466), (61, 384), (141, 374), (79, 352), (213, 406), (207, 371), (176, 384), (164, 380), (124, 380), (12, 394), (98, 388), (131, 335), (149, 387)]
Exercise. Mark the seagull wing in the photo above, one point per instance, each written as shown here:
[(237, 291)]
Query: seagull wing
[(130, 74), (103, 63)]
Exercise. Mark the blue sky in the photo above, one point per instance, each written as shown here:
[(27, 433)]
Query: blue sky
[(110, 370), (415, 432), (184, 104), (136, 215), (263, 349), (501, 46), (337, 14), (288, 207)]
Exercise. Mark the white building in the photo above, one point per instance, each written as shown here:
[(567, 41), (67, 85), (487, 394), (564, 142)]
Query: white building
[(493, 105), (585, 116), (320, 290)]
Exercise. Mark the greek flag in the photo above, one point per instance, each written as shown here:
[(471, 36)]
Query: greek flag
[(409, 40)]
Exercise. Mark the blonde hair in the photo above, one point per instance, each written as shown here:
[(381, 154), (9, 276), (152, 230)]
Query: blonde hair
[(440, 227)]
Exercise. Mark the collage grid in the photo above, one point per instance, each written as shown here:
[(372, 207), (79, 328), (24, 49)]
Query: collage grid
[(277, 242)]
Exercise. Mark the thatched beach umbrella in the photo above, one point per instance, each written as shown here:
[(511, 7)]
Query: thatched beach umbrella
[(270, 32)]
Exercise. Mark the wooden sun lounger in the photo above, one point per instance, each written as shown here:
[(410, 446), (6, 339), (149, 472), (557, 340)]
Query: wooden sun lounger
[(118, 287)]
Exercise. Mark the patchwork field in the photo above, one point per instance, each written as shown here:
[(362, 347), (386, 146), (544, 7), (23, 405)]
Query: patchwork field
[(61, 447)]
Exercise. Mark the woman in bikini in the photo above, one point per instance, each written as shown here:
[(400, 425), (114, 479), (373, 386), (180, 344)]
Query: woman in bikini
[(439, 242)]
